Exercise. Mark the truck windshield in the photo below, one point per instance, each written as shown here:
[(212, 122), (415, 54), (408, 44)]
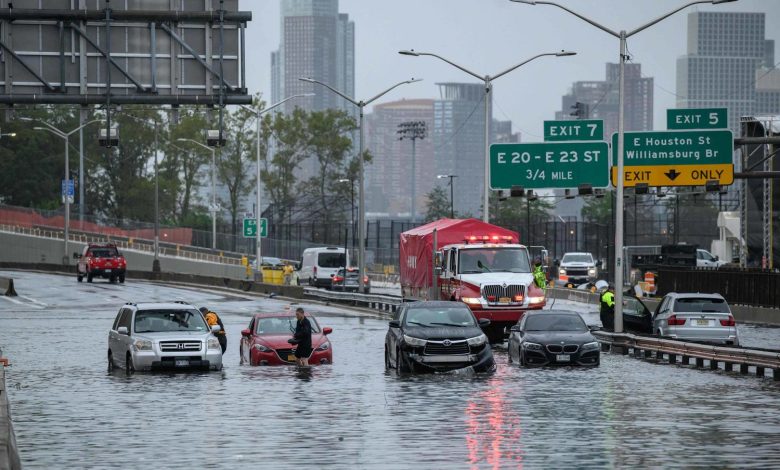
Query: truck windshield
[(486, 260), (577, 259)]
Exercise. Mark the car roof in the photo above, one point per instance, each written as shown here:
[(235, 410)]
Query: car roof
[(435, 303), (288, 313), (548, 312), (694, 295), (577, 253), (162, 306)]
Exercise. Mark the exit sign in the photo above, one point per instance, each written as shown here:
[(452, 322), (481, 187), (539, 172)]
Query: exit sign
[(250, 228), (697, 118), (571, 130)]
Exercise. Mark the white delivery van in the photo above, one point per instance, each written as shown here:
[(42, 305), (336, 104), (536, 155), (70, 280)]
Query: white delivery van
[(319, 265)]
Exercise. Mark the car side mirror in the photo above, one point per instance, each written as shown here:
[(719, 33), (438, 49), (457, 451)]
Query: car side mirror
[(598, 264), (327, 330), (122, 330), (717, 258), (515, 328), (395, 324), (246, 332), (76, 255), (215, 328), (483, 322), (594, 327)]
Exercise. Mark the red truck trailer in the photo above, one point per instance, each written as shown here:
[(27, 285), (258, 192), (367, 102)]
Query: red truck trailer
[(482, 265)]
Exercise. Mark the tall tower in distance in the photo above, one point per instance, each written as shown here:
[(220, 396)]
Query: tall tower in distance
[(725, 51), (317, 42)]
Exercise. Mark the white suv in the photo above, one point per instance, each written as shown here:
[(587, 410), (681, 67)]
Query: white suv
[(147, 336), (577, 268)]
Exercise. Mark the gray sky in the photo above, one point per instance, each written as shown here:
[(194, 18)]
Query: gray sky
[(488, 36)]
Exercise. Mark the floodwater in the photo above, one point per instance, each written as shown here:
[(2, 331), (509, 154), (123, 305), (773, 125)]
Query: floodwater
[(70, 413)]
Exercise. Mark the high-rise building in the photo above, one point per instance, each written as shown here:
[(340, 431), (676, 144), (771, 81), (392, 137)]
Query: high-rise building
[(725, 51), (316, 42), (392, 171), (459, 142), (601, 99)]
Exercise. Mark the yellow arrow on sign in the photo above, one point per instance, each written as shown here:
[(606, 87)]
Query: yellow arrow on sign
[(675, 175)]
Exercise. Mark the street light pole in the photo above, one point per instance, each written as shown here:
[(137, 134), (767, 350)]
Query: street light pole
[(622, 35), (213, 189), (488, 80), (258, 212), (413, 130), (361, 186), (66, 137), (452, 193)]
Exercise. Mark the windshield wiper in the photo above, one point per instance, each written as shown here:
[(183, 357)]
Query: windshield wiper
[(416, 323), (447, 324)]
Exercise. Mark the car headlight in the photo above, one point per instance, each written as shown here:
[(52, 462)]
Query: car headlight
[(562, 272), (412, 341), (213, 343), (535, 300), (142, 345), (477, 340), (532, 346), (262, 348), (324, 346), (591, 345), (592, 272), (472, 300)]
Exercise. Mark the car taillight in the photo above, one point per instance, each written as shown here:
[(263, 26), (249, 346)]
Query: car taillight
[(314, 270), (337, 278), (674, 321), (365, 279), (729, 322)]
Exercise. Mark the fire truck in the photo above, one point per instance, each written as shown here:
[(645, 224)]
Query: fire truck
[(469, 261)]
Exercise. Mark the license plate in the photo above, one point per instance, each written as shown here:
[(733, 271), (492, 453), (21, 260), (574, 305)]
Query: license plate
[(291, 357), (562, 357), (108, 270), (504, 300), (702, 323), (182, 363)]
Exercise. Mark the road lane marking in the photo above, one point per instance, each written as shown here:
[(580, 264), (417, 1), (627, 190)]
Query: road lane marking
[(11, 299)]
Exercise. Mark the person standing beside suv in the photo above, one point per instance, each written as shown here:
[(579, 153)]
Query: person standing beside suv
[(213, 319)]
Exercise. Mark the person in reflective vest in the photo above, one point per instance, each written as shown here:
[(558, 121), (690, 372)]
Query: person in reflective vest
[(607, 312), (213, 319), (539, 277)]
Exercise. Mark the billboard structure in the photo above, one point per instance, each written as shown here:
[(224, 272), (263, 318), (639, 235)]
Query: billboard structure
[(102, 52)]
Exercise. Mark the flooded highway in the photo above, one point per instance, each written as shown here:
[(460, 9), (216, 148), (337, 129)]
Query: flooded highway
[(70, 413)]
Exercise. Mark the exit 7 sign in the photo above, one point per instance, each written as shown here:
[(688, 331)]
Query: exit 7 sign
[(571, 130)]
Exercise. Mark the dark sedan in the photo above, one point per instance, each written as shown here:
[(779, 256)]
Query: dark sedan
[(553, 337), (437, 337)]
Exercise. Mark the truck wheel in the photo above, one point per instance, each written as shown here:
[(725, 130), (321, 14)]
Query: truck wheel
[(112, 279), (122, 278), (129, 368), (110, 362)]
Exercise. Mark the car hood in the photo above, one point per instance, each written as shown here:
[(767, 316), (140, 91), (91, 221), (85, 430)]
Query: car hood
[(280, 341), (175, 335), (577, 265), (500, 278), (552, 337), (436, 334)]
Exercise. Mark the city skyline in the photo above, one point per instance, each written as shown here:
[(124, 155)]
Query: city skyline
[(531, 94)]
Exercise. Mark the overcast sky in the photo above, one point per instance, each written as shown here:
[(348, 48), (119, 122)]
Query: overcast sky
[(488, 36)]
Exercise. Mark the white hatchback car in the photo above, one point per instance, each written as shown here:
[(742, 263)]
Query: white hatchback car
[(148, 336)]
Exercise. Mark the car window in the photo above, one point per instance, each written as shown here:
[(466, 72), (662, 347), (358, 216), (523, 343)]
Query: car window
[(127, 314), (439, 316), (398, 313), (701, 305), (116, 320), (281, 325), (103, 252), (153, 321), (570, 258), (331, 260), (632, 306), (555, 322)]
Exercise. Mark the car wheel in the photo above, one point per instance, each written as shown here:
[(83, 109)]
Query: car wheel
[(110, 362), (129, 367), (387, 359), (520, 357), (89, 277), (112, 279), (400, 364), (122, 278)]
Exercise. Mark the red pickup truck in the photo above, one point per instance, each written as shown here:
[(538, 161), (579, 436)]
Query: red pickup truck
[(101, 261)]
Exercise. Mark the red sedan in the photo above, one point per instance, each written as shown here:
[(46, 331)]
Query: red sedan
[(264, 343)]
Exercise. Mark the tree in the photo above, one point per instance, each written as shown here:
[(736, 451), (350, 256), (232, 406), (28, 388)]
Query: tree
[(181, 164), (437, 205), (599, 210)]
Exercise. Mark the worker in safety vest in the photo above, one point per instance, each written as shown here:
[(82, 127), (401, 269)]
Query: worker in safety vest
[(607, 312), (540, 278), (287, 273), (213, 319)]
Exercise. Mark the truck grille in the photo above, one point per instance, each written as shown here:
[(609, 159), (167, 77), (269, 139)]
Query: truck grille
[(558, 348), (577, 271), (180, 346), (498, 292), (438, 347)]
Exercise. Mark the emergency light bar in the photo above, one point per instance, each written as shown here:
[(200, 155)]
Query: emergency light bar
[(487, 238)]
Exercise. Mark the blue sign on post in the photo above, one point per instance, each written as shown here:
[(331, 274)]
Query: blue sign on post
[(67, 188)]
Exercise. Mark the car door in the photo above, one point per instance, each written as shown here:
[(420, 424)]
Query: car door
[(394, 334), (661, 313), (246, 342), (113, 336), (82, 264), (124, 342), (636, 316)]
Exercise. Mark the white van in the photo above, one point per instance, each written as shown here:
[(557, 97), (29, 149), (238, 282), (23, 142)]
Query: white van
[(319, 265)]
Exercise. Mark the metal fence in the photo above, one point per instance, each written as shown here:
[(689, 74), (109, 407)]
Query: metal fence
[(755, 287)]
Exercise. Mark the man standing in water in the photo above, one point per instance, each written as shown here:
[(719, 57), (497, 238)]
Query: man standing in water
[(302, 338)]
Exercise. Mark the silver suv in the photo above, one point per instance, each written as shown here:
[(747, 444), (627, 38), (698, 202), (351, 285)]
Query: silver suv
[(147, 336)]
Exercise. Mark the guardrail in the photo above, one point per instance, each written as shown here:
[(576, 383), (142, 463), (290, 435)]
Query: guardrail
[(9, 454), (741, 360), (384, 303)]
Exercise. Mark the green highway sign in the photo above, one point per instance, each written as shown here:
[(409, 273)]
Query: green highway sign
[(250, 228), (549, 165), (675, 158), (568, 130), (697, 118)]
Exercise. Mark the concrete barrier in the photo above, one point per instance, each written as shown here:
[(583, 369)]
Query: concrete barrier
[(7, 287), (9, 454)]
